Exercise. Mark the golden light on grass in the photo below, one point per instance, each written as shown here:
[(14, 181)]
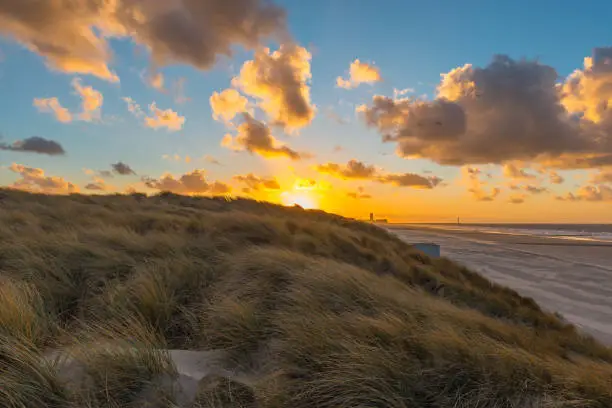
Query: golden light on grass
[(347, 314)]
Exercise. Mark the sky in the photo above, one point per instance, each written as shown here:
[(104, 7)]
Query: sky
[(416, 111)]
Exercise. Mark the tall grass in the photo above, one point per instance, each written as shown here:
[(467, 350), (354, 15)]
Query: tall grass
[(310, 309)]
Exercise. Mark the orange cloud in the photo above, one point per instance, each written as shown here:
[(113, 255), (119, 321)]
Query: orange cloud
[(34, 179), (210, 159), (177, 157), (359, 73), (555, 178), (603, 177), (167, 118), (227, 104), (256, 138), (509, 110), (91, 104), (73, 35), (254, 182), (410, 180), (156, 80), (535, 189), (589, 90), (279, 80), (91, 101), (512, 171), (355, 169), (52, 105), (589, 193), (517, 199), (476, 187), (98, 184), (133, 107), (193, 183)]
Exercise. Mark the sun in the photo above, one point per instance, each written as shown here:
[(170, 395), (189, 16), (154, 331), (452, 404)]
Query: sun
[(303, 198)]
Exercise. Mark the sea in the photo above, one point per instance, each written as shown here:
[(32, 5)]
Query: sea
[(574, 232)]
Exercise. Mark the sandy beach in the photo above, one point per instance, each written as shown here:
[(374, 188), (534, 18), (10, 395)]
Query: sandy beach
[(573, 278)]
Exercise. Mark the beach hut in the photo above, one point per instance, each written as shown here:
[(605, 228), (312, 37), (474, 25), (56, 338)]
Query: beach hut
[(430, 249)]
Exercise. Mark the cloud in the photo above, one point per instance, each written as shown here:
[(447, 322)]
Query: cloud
[(178, 89), (133, 107), (122, 169), (98, 185), (309, 184), (589, 193), (91, 101), (193, 183), (156, 80), (227, 104), (410, 180), (91, 104), (35, 144), (34, 179), (476, 187), (210, 159), (177, 157), (512, 171), (279, 80), (359, 194), (555, 178), (603, 177), (354, 169), (254, 182), (517, 199), (52, 105), (167, 118), (508, 110), (256, 138), (401, 92), (482, 195), (535, 189), (359, 73), (589, 91), (73, 36), (357, 170)]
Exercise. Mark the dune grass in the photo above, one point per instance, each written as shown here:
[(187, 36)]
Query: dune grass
[(312, 308)]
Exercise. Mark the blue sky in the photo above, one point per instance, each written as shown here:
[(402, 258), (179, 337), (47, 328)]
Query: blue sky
[(410, 42)]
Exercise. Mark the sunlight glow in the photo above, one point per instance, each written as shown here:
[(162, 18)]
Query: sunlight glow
[(302, 198)]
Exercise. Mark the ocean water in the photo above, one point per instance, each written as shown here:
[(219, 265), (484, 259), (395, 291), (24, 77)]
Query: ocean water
[(575, 232)]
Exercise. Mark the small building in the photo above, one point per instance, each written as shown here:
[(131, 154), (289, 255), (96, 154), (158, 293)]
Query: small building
[(430, 249)]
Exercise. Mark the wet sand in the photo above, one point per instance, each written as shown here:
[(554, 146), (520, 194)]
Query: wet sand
[(573, 278)]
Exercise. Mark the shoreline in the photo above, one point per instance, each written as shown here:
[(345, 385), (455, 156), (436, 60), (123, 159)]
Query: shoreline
[(572, 278)]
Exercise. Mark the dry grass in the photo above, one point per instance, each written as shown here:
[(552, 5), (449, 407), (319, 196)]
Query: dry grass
[(317, 309)]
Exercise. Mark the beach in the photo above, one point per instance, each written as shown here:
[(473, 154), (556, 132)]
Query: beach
[(570, 276)]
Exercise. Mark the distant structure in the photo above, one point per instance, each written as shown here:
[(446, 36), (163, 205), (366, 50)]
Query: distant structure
[(382, 221), (428, 248), (371, 217), (458, 221)]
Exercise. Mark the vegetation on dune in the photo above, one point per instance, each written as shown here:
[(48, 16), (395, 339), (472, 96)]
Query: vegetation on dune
[(309, 309)]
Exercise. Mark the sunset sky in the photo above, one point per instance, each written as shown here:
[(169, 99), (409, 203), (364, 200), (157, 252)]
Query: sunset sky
[(416, 111)]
